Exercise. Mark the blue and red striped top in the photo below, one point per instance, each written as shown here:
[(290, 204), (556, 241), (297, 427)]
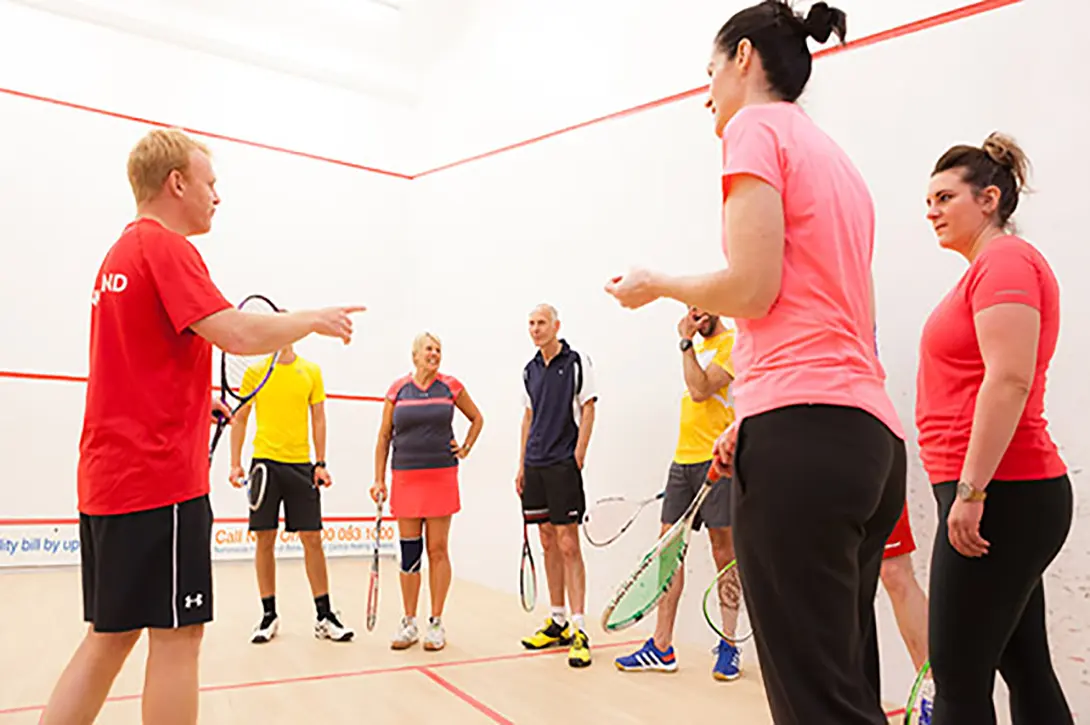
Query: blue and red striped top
[(423, 423)]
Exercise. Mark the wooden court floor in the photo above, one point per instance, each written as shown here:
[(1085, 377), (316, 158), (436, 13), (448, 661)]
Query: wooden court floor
[(483, 676)]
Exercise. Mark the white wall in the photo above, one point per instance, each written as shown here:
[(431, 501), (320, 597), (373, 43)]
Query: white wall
[(466, 252), (553, 220), (50, 55), (304, 231)]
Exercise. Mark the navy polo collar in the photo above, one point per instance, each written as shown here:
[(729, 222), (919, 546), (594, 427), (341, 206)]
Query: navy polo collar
[(565, 349)]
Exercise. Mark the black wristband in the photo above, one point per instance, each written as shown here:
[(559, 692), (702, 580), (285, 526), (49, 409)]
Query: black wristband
[(685, 344), (320, 464)]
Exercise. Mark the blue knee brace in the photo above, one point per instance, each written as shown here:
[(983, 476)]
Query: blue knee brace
[(411, 552)]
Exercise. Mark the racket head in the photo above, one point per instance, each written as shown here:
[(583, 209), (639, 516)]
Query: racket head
[(725, 593), (527, 575), (242, 376), (609, 517), (644, 587), (921, 698), (642, 590), (255, 486)]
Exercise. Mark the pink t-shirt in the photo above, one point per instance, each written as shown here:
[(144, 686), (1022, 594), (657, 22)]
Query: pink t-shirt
[(816, 344), (951, 366)]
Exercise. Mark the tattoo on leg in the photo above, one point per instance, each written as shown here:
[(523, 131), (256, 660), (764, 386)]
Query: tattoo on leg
[(730, 590)]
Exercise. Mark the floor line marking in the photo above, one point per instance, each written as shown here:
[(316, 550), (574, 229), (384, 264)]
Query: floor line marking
[(245, 685), (464, 696)]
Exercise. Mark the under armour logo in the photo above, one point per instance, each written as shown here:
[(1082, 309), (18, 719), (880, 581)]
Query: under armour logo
[(193, 600)]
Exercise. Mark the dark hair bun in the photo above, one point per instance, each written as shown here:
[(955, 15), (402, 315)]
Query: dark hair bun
[(1005, 151), (822, 21)]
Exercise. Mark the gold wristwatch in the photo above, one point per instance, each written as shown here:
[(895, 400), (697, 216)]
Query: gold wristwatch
[(968, 493)]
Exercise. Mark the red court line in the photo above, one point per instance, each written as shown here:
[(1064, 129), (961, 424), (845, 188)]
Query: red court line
[(465, 697), (909, 28), (342, 675), (897, 32), (196, 132), (53, 377)]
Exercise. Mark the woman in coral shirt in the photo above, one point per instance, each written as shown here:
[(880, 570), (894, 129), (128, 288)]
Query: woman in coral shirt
[(1004, 498)]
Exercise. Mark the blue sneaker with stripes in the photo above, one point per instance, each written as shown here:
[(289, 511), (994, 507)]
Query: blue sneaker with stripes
[(728, 663), (648, 658)]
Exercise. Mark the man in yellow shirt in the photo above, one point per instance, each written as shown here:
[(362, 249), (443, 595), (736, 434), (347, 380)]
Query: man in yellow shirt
[(293, 395), (706, 411)]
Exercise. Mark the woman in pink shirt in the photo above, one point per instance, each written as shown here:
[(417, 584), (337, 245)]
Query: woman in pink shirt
[(1004, 498), (819, 466)]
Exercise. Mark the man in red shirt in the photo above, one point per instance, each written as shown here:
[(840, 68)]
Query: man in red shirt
[(143, 483)]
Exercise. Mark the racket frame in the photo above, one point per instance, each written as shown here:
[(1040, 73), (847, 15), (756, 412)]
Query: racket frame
[(527, 556), (714, 586), (682, 529), (225, 388), (635, 515), (914, 693), (248, 485), (373, 579)]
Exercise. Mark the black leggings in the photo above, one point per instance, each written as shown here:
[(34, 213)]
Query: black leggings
[(818, 489), (988, 614)]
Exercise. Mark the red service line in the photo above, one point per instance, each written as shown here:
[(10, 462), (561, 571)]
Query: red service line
[(915, 26), (246, 685), (424, 669), (465, 697), (196, 132), (53, 377), (900, 31)]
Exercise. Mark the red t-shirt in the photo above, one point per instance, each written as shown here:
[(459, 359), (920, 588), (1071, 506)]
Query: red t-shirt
[(951, 368), (149, 392)]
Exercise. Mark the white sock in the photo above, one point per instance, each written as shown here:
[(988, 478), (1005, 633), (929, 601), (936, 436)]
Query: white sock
[(559, 616), (577, 620)]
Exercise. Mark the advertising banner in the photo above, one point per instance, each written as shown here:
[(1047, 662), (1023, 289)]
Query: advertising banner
[(56, 543)]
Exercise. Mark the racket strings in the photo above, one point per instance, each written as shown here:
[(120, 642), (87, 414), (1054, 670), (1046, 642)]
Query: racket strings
[(608, 518), (649, 584), (246, 372)]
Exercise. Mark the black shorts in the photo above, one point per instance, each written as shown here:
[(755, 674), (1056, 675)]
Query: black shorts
[(292, 483), (682, 485), (553, 494), (148, 568)]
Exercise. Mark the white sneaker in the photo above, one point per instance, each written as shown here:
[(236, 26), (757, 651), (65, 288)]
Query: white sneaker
[(407, 636), (264, 631), (436, 638), (330, 627)]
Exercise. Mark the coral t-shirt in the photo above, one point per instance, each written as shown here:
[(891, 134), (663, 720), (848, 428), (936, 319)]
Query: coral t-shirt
[(816, 345), (148, 412), (951, 367)]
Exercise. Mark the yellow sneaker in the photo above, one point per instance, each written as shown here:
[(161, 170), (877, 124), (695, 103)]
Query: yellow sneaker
[(551, 635), (579, 654)]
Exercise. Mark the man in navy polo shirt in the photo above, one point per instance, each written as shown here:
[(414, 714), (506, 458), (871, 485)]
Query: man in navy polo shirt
[(559, 396)]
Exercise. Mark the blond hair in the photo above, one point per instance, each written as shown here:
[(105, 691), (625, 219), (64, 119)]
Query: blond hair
[(157, 154), (420, 340)]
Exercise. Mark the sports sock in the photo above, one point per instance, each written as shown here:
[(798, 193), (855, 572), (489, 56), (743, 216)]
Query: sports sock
[(268, 604), (559, 616), (322, 605), (435, 621), (577, 620)]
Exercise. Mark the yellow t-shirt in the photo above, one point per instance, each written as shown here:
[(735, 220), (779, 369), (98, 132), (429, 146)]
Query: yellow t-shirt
[(282, 408), (701, 423)]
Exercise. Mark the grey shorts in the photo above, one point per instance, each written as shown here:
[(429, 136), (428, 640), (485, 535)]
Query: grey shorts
[(682, 483)]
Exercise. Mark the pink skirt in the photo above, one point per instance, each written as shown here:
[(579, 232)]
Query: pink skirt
[(424, 493)]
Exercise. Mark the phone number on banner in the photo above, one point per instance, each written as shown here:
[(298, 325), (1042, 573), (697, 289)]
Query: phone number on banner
[(234, 540)]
